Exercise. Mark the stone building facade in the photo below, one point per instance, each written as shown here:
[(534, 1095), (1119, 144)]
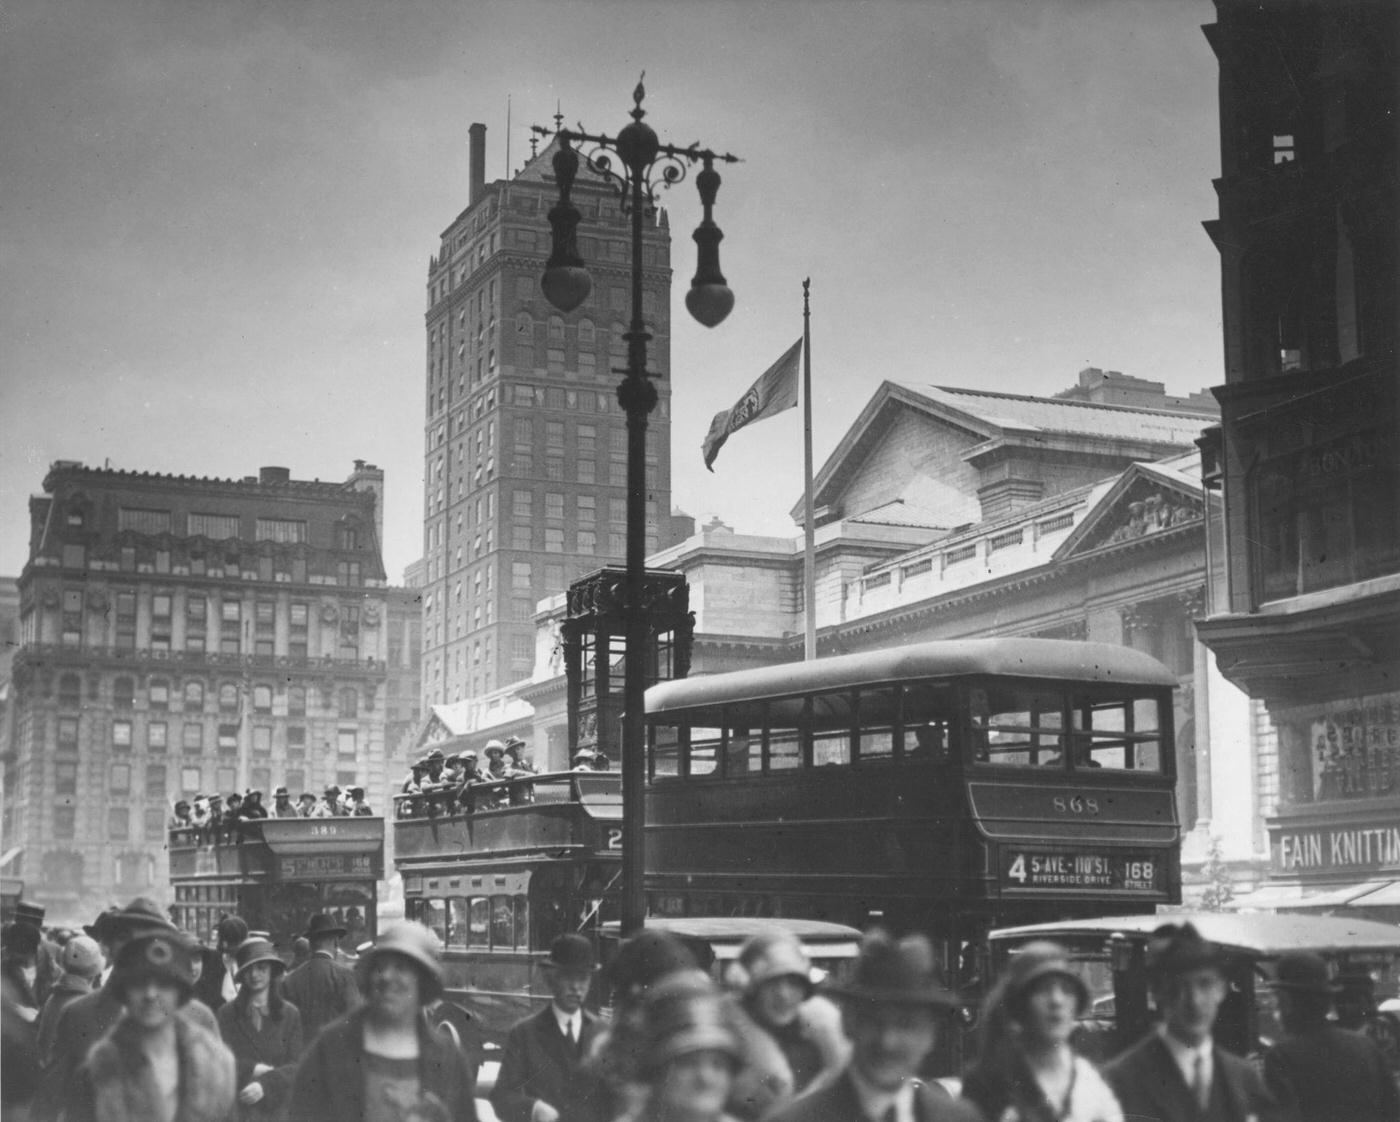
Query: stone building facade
[(525, 445), (183, 636), (1305, 615)]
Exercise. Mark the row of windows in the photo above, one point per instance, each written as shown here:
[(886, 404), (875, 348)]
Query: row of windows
[(498, 922), (262, 738), (232, 697)]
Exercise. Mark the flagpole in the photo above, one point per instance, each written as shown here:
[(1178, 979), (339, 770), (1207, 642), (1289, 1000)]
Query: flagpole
[(809, 560)]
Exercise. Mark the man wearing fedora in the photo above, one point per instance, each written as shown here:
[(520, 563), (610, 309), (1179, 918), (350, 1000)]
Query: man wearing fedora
[(86, 1019), (891, 1008), (1176, 1073), (1331, 1073), (282, 804), (539, 1078), (321, 988)]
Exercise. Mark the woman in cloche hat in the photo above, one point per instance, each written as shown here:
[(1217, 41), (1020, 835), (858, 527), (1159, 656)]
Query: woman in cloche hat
[(1026, 1069), (384, 1060), (263, 1030), (156, 1062), (690, 1051)]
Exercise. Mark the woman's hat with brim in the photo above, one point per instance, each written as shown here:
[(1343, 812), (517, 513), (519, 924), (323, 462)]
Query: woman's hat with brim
[(252, 951), (160, 956), (414, 942), (1304, 972), (684, 1014), (895, 973), (1032, 964), (321, 925), (141, 915), (1177, 949), (773, 955)]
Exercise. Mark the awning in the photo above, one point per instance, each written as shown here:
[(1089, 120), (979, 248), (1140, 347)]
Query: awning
[(1386, 896), (1297, 897), (1340, 897)]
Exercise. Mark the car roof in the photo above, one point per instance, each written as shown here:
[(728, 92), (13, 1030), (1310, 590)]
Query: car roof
[(712, 928), (1254, 933)]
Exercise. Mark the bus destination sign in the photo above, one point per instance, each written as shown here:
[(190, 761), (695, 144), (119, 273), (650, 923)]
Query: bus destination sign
[(1116, 872), (325, 865)]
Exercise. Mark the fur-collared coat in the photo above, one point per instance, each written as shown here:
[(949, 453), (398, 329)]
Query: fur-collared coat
[(116, 1084)]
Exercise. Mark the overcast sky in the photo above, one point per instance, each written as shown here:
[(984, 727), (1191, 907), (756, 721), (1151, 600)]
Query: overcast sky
[(216, 215)]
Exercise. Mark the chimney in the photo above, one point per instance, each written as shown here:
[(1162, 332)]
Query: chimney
[(478, 161)]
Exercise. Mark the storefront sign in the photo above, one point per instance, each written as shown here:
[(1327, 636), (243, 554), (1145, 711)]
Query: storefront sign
[(1118, 872), (1354, 747), (1349, 848)]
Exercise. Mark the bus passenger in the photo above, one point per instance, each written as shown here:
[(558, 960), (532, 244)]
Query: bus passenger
[(253, 805), (157, 1061), (776, 993), (1026, 1065), (891, 1009), (539, 1078), (1177, 1074), (384, 1061), (329, 806), (282, 804), (583, 760), (306, 804), (182, 819), (263, 1030), (516, 758), (358, 807)]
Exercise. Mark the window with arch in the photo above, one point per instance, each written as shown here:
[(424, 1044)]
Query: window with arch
[(556, 329), (228, 696), (262, 699), (158, 695), (194, 696), (349, 702), (524, 326), (586, 332)]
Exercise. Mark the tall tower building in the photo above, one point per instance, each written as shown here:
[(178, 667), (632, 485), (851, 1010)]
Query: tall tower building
[(525, 444), (183, 636)]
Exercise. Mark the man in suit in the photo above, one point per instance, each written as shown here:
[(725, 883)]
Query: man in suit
[(321, 988), (892, 1008), (539, 1078), (1176, 1073), (1333, 1074)]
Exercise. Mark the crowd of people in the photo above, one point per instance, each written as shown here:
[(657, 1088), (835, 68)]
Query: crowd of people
[(134, 1021), (213, 813)]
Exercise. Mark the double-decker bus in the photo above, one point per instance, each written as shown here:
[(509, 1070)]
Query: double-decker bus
[(943, 787), (276, 873), (501, 870)]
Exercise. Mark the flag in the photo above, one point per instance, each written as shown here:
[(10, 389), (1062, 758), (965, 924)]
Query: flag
[(775, 390)]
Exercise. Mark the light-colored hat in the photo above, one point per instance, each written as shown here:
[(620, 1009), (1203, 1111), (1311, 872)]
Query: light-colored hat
[(774, 954), (81, 956), (414, 942)]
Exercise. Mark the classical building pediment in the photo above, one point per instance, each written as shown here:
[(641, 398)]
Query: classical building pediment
[(1146, 500)]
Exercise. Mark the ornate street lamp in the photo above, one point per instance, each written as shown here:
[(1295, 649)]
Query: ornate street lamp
[(646, 164)]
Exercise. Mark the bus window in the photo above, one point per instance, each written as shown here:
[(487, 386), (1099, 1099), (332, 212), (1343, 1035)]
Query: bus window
[(928, 719), (876, 744), (460, 921), (1018, 728), (704, 748), (832, 747), (1108, 735), (784, 750), (477, 914), (665, 751), (743, 753), (522, 921), (434, 917), (502, 922)]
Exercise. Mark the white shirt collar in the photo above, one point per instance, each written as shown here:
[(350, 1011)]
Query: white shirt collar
[(566, 1021), (874, 1102), (1184, 1056)]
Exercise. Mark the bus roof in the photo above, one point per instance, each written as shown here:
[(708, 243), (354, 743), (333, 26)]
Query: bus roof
[(1253, 933), (1055, 659)]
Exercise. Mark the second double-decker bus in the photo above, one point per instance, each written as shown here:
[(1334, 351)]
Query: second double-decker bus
[(943, 787), (499, 870), (276, 873)]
